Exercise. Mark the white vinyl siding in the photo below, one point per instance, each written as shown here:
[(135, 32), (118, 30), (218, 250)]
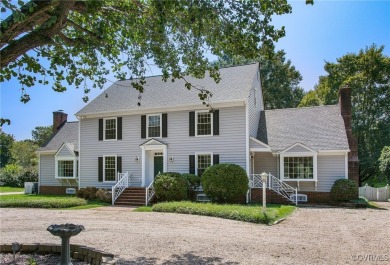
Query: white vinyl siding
[(47, 171), (265, 162), (230, 144)]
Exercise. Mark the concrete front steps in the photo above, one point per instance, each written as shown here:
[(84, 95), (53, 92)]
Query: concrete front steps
[(133, 196)]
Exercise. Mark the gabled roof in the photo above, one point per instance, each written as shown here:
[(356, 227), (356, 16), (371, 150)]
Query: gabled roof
[(235, 85), (319, 128), (69, 133)]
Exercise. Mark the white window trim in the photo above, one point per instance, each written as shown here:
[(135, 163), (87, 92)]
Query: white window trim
[(147, 125), (203, 153), (104, 169), (66, 158), (116, 128), (196, 123), (300, 154)]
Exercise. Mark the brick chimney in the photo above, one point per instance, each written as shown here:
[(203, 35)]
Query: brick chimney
[(345, 102), (59, 118)]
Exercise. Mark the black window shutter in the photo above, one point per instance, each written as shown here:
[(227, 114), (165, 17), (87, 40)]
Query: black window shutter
[(164, 125), (100, 129), (192, 123), (119, 128), (215, 159), (143, 126), (216, 122), (192, 164), (119, 164), (100, 169)]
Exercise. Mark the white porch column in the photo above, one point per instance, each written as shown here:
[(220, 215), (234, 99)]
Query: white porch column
[(143, 166)]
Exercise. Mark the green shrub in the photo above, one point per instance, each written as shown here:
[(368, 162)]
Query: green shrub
[(344, 190), (88, 193), (40, 201), (193, 183), (247, 213), (170, 186), (104, 195), (14, 176), (225, 183)]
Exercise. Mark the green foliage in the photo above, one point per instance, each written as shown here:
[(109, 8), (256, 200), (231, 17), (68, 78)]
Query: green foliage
[(24, 153), (170, 186), (193, 183), (344, 190), (15, 176), (246, 213), (279, 78), (41, 134), (384, 162), (144, 209), (368, 75), (7, 189), (6, 141), (88, 193), (39, 201), (225, 183), (89, 40)]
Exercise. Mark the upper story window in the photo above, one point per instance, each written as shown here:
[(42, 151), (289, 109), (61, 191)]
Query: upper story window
[(154, 125), (204, 123), (110, 127)]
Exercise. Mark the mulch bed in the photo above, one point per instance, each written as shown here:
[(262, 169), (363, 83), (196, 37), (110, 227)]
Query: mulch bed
[(34, 259)]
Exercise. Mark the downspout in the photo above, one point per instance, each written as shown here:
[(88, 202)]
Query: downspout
[(79, 158), (247, 142)]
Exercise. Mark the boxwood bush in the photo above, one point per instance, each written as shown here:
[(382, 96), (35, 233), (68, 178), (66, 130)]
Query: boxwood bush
[(225, 183), (170, 186), (344, 190)]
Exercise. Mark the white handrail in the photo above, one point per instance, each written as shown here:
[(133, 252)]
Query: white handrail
[(276, 185), (120, 186), (149, 193)]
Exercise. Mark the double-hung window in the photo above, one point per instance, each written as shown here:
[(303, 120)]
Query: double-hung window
[(154, 125), (110, 168), (204, 123), (110, 127), (203, 161)]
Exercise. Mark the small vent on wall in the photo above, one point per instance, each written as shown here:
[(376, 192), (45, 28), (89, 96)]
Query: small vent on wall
[(300, 197), (70, 191)]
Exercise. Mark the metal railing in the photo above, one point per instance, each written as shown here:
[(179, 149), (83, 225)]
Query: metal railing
[(149, 193), (276, 185), (120, 186)]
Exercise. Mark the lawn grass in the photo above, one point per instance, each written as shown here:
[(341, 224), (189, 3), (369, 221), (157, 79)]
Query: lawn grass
[(5, 189), (144, 209), (247, 213), (89, 205), (40, 201)]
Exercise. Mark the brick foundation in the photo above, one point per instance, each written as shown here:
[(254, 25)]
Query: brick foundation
[(55, 190), (273, 197)]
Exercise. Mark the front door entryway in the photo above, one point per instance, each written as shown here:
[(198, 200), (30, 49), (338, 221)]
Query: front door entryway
[(158, 165)]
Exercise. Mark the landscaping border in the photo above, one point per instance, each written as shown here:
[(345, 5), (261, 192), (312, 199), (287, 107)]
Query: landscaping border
[(79, 252)]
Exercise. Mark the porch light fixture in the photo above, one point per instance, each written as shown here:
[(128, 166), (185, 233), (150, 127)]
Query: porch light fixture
[(264, 177), (137, 158), (171, 159)]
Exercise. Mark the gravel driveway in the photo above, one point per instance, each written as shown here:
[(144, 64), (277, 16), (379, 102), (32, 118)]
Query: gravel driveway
[(309, 236)]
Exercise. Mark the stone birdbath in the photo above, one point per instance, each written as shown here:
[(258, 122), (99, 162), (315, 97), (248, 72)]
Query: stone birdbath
[(65, 231)]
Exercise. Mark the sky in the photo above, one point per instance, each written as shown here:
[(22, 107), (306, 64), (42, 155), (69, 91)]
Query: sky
[(314, 34)]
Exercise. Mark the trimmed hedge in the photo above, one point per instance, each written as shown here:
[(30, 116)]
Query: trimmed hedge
[(246, 213), (225, 183), (39, 201), (170, 186), (344, 190)]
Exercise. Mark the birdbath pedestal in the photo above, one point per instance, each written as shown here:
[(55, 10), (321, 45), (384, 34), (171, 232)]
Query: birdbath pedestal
[(65, 231)]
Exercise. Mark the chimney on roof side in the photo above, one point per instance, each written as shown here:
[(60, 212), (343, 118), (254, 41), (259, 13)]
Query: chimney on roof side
[(345, 102), (59, 118)]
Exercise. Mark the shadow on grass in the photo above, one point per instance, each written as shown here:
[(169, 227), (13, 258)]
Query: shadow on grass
[(186, 258)]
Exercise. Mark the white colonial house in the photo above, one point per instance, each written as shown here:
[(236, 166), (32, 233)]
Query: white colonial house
[(116, 143)]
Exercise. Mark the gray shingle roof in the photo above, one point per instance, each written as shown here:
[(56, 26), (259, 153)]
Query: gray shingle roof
[(69, 133), (319, 128), (235, 85)]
